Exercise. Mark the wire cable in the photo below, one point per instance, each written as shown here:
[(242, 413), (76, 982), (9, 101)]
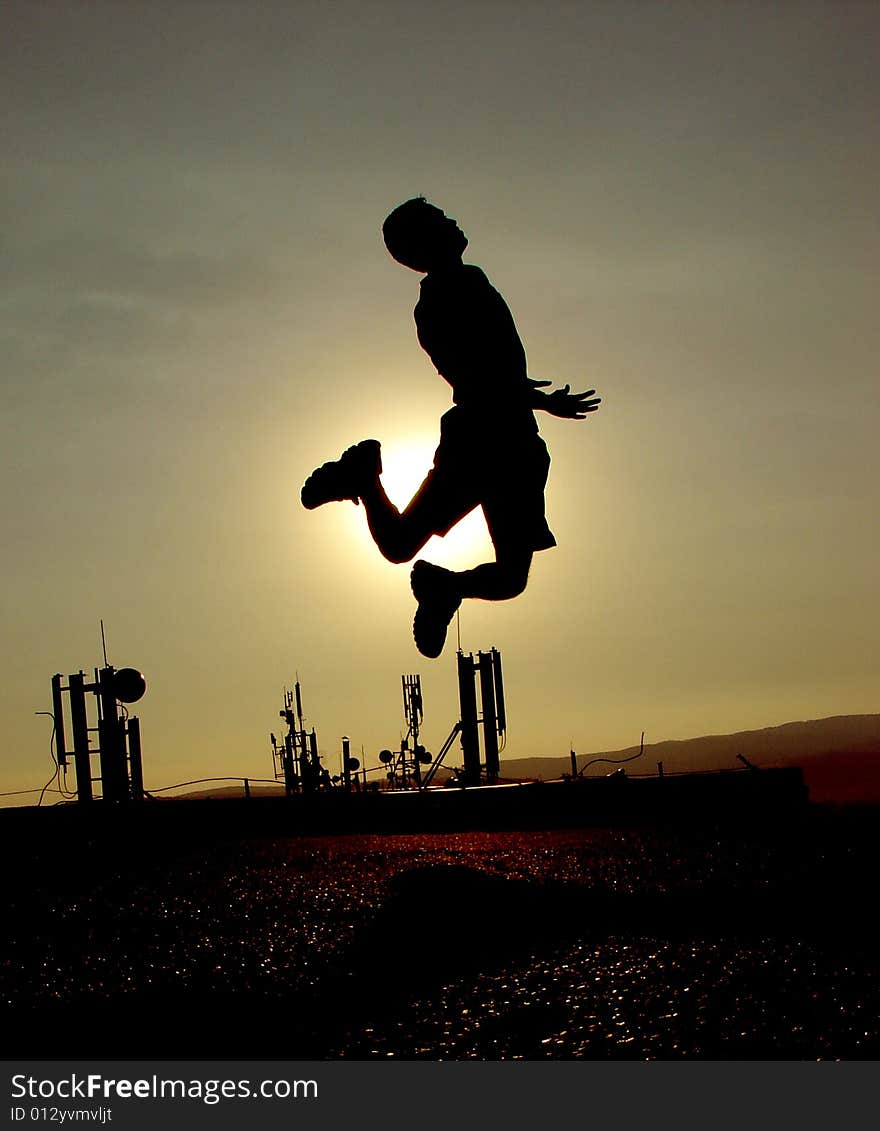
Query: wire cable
[(610, 761), (54, 777), (202, 781), (20, 792)]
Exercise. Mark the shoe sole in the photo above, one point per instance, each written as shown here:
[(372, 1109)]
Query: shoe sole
[(430, 637)]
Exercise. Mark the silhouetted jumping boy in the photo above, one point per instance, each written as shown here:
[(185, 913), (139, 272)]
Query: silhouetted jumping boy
[(490, 453)]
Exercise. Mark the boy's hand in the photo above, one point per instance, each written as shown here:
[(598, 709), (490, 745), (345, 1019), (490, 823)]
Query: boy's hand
[(563, 402)]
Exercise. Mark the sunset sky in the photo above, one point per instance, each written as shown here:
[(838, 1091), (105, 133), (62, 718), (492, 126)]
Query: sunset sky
[(679, 203)]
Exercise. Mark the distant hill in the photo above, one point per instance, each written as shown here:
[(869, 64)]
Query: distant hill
[(840, 756), (221, 791)]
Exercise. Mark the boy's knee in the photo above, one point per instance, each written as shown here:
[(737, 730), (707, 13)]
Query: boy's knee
[(398, 555), (404, 542), (517, 583), (516, 577), (400, 548)]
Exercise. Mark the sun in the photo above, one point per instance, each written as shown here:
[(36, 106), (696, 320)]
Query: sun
[(405, 463)]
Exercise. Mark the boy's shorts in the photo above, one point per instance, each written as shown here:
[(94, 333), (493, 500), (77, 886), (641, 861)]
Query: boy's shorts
[(486, 464)]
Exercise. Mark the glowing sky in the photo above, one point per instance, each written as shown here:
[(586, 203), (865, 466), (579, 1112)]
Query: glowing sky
[(679, 204)]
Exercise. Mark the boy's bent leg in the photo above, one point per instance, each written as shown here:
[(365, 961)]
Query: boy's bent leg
[(497, 581), (399, 536), (440, 502), (439, 593), (355, 476)]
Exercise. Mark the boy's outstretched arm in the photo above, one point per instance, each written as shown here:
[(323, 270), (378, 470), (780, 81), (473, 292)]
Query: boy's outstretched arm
[(563, 402)]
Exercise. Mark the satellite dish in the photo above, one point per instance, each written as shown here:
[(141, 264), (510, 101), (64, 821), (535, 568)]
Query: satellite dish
[(425, 758), (128, 685), (352, 763), (385, 756)]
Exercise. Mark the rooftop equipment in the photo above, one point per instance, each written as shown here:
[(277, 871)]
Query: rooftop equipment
[(114, 736)]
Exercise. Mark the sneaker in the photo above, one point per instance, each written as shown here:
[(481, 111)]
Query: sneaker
[(436, 591), (345, 478)]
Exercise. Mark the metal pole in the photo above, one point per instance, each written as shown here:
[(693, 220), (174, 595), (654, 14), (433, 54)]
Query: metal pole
[(470, 735), (114, 776), (135, 761), (80, 727), (490, 722), (499, 690), (58, 719), (287, 763), (314, 759)]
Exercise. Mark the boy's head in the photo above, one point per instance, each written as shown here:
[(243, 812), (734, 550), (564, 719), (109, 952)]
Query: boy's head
[(419, 235)]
